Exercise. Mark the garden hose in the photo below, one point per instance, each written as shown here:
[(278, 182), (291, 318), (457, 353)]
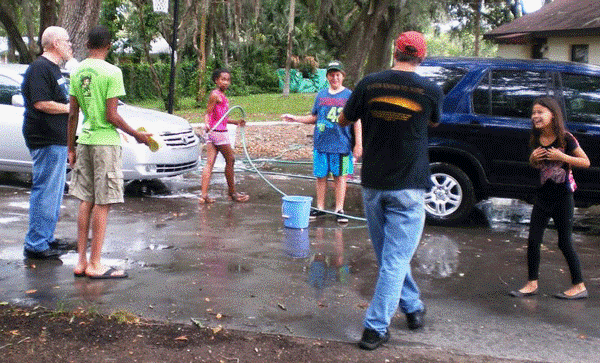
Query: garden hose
[(249, 160), (254, 169)]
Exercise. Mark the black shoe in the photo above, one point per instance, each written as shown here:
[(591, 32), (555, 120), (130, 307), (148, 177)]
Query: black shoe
[(50, 253), (372, 340), (314, 213), (63, 244), (517, 293), (415, 320), (340, 218), (579, 295)]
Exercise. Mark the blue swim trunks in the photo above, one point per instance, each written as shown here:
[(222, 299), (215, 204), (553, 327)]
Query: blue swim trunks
[(334, 163)]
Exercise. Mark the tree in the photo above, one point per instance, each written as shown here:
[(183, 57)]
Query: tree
[(78, 17), (48, 17), (477, 16), (288, 60), (8, 19), (369, 40), (199, 43), (143, 16)]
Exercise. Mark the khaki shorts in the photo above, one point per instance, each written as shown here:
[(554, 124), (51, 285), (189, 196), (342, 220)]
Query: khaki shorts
[(98, 175)]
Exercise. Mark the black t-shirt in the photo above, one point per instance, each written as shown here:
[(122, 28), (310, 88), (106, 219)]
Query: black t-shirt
[(395, 108), (43, 81), (556, 176)]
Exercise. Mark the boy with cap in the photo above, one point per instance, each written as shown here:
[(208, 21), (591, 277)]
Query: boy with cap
[(395, 107), (333, 149)]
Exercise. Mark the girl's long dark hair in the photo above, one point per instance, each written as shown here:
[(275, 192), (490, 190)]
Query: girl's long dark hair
[(558, 122)]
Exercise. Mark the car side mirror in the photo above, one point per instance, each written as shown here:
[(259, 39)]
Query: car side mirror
[(17, 100)]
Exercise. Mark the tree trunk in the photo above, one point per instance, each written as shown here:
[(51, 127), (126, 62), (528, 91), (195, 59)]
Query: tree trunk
[(146, 40), (78, 17), (200, 46), (256, 10), (48, 17), (478, 8), (237, 19), (225, 26), (14, 36), (387, 31), (288, 60), (373, 27)]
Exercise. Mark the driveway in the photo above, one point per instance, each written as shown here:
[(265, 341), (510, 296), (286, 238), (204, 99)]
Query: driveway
[(236, 265)]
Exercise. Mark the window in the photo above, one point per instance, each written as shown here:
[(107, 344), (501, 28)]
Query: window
[(579, 53), (446, 78), (582, 97), (8, 88), (509, 93)]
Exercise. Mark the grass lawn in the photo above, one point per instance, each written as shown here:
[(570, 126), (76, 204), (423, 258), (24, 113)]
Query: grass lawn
[(263, 107)]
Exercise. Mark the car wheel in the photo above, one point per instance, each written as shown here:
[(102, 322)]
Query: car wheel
[(451, 198)]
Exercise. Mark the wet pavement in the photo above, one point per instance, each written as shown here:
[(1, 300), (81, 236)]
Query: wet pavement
[(237, 266)]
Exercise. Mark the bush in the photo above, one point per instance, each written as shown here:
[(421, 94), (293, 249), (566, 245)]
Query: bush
[(139, 83)]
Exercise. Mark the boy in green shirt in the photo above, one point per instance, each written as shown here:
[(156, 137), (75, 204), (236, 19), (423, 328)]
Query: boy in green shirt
[(96, 155)]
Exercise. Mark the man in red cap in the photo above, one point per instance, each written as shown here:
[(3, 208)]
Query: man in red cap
[(395, 107)]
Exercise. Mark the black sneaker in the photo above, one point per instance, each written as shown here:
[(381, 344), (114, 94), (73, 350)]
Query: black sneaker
[(372, 340), (415, 320), (50, 253), (63, 244), (341, 218), (314, 213)]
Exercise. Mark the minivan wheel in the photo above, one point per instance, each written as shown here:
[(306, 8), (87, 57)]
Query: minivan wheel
[(451, 198)]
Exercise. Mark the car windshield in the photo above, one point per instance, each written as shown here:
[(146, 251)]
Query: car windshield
[(446, 78)]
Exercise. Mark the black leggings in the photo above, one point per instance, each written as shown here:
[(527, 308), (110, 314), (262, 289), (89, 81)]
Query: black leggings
[(561, 211)]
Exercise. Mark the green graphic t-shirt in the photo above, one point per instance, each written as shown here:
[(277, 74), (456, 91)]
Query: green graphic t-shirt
[(94, 82)]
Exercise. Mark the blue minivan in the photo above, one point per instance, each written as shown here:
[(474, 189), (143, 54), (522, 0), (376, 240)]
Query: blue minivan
[(480, 149)]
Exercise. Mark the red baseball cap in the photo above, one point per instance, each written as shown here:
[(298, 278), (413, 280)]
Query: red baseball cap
[(412, 43)]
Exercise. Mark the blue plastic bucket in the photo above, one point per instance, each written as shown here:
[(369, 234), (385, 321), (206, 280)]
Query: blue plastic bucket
[(295, 211), (296, 242)]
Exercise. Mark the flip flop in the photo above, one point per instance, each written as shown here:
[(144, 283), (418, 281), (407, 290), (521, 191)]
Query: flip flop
[(239, 197), (205, 200), (79, 274), (108, 275)]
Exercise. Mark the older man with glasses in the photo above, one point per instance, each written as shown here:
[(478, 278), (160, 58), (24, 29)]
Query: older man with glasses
[(45, 92)]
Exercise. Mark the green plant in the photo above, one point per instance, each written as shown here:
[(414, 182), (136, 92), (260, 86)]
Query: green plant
[(124, 317)]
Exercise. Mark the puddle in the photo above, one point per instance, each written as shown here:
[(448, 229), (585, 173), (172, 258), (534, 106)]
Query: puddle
[(437, 256)]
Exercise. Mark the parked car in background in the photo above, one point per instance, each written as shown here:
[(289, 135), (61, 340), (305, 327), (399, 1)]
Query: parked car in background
[(179, 152), (480, 149)]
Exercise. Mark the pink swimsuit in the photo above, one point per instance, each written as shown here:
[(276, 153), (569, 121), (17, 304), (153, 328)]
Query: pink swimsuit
[(219, 136)]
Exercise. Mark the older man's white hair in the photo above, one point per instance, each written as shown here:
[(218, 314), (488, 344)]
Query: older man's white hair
[(51, 34)]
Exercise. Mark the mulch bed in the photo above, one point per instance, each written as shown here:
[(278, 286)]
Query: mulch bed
[(41, 335)]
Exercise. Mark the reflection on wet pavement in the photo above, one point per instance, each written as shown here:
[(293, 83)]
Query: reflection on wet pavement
[(236, 265), (437, 256)]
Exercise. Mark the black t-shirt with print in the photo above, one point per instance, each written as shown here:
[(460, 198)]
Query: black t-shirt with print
[(555, 176), (395, 108), (43, 81)]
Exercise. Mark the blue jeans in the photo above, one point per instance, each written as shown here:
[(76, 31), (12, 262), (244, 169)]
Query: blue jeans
[(49, 177), (395, 219)]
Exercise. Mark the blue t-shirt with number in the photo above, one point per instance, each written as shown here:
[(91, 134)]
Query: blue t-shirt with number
[(329, 136)]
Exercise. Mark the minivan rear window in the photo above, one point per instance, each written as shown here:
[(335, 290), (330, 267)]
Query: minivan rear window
[(444, 77)]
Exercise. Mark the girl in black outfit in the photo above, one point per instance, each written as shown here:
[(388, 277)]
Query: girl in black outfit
[(555, 151)]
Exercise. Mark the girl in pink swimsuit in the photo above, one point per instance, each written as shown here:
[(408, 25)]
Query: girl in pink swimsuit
[(218, 137)]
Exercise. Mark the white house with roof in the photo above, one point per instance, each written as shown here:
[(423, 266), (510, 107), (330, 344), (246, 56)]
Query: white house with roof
[(564, 30)]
